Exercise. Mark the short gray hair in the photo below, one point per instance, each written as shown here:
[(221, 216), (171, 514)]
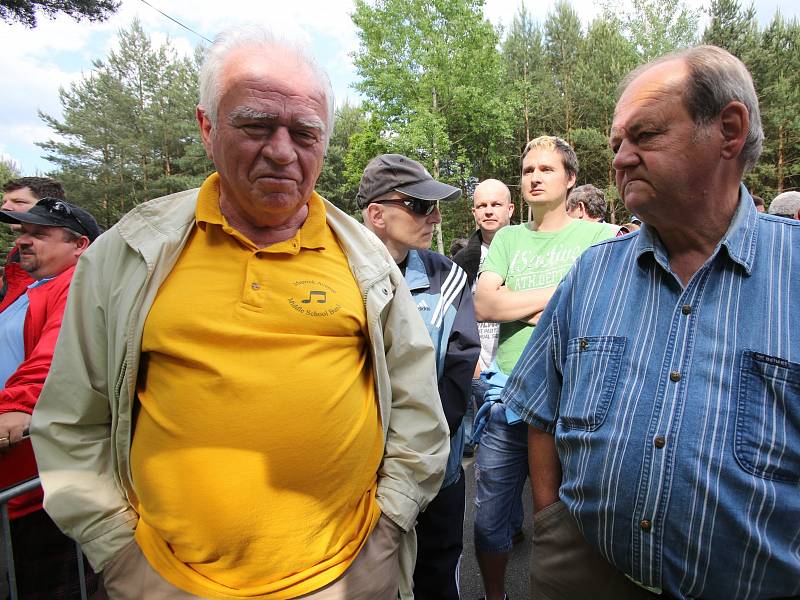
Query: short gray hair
[(70, 235), (254, 35), (786, 204), (593, 199), (716, 77)]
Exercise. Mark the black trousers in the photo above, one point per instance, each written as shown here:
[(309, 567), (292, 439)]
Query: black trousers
[(440, 540), (46, 560)]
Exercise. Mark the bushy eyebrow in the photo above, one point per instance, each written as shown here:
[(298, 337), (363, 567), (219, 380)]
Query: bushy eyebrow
[(251, 114)]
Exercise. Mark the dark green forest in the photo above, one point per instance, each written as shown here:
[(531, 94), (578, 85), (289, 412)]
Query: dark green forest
[(439, 83)]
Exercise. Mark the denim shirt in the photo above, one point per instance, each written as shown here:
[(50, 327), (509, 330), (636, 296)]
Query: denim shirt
[(676, 410)]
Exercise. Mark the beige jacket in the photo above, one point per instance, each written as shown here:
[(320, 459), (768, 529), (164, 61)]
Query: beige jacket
[(82, 424)]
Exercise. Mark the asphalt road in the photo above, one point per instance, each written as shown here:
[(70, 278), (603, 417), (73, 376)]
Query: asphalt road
[(517, 573)]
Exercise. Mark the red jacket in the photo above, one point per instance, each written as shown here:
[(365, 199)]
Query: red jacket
[(17, 280), (46, 304)]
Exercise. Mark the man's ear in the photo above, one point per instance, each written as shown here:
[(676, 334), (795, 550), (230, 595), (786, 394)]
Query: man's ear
[(734, 124), (81, 244), (206, 130), (571, 183), (373, 217)]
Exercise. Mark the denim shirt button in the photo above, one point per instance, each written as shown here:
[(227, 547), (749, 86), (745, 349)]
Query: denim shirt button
[(675, 376)]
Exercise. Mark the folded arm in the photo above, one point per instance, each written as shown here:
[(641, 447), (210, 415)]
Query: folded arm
[(495, 302)]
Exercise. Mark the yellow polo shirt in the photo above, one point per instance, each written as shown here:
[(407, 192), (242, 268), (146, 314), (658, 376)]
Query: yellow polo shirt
[(257, 445)]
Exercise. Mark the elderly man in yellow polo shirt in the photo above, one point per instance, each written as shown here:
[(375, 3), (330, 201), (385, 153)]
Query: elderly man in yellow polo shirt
[(243, 400)]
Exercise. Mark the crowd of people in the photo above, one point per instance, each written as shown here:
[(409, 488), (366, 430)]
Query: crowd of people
[(239, 391)]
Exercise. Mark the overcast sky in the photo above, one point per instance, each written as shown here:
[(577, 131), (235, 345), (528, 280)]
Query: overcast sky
[(35, 63)]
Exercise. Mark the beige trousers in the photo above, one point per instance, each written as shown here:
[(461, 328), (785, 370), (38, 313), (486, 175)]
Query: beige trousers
[(565, 567), (373, 575)]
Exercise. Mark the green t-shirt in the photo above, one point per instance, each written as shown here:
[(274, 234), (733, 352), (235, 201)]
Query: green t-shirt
[(527, 260)]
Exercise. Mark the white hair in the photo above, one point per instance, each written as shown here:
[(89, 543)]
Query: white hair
[(786, 204), (260, 37)]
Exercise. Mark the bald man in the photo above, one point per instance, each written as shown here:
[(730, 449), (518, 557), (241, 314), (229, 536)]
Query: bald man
[(492, 209)]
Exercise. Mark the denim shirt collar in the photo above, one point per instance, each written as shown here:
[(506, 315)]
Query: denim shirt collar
[(739, 241)]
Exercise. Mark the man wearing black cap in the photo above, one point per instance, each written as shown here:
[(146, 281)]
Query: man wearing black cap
[(399, 201), (21, 195), (53, 235)]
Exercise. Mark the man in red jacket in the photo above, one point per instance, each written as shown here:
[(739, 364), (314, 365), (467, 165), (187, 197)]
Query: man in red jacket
[(53, 235)]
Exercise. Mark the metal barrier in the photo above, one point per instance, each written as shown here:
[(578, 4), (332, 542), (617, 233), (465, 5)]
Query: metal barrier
[(10, 494)]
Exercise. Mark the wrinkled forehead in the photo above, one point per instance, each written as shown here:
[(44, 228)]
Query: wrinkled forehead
[(663, 82), (272, 69)]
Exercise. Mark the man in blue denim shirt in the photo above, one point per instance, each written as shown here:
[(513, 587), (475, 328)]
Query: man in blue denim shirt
[(399, 201), (663, 381)]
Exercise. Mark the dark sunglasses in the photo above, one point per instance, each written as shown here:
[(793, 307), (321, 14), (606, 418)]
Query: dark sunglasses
[(59, 207), (419, 207)]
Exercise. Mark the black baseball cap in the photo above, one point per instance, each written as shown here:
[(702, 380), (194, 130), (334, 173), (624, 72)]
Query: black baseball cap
[(54, 212), (397, 173)]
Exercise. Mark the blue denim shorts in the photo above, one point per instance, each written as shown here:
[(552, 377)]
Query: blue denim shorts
[(501, 469)]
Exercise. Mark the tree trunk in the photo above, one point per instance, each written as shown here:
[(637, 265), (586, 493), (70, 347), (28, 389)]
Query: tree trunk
[(525, 95), (437, 228), (781, 158)]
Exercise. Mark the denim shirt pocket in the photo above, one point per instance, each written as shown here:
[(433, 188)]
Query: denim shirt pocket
[(590, 378), (768, 417)]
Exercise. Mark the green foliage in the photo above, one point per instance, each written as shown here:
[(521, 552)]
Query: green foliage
[(563, 46), (775, 65), (8, 170), (656, 27), (25, 11), (333, 183), (732, 28), (440, 85), (567, 79), (430, 72), (128, 133), (772, 56)]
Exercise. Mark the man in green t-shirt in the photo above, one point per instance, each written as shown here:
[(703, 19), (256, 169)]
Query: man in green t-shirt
[(517, 279)]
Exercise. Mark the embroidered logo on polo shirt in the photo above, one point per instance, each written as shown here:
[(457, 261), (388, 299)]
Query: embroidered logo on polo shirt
[(422, 305), (314, 299)]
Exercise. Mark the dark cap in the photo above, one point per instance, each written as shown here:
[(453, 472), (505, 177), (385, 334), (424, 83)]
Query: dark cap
[(52, 212), (397, 173)]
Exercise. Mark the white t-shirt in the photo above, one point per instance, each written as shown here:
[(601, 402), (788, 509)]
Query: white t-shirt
[(489, 331)]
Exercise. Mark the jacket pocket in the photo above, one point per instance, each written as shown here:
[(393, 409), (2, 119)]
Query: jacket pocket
[(590, 379), (768, 417)]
